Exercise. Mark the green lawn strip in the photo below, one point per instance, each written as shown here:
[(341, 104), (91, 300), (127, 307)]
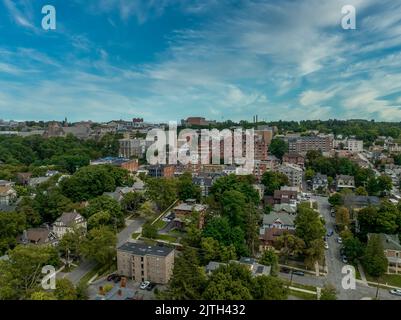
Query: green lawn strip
[(135, 235), (100, 271), (166, 237), (301, 295), (301, 286), (387, 279)]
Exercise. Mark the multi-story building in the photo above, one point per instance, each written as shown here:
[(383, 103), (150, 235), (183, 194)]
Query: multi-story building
[(132, 165), (133, 147), (294, 158), (141, 262), (183, 212), (293, 172), (353, 145), (320, 181), (161, 171), (323, 143), (345, 182)]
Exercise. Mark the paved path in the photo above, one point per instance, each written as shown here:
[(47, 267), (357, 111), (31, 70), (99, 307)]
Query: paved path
[(79, 272), (132, 226)]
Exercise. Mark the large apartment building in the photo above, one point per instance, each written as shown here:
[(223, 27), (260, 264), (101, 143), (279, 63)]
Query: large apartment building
[(305, 144), (141, 262)]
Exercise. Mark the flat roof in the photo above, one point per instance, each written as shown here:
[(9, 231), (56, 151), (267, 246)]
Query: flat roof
[(144, 250)]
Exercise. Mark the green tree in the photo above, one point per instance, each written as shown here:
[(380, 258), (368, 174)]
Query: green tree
[(100, 245), (336, 199), (20, 275), (149, 231), (132, 201), (70, 244), (12, 224), (273, 181), (270, 258), (106, 204), (163, 191), (374, 260), (65, 290), (269, 288), (308, 225), (342, 217), (43, 295), (189, 278), (187, 189), (289, 245), (278, 147), (353, 249), (361, 191)]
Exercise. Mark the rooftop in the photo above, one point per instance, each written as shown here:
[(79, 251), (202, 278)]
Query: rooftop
[(145, 250)]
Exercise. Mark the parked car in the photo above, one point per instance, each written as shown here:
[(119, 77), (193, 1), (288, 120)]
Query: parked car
[(326, 245), (299, 273), (144, 285), (342, 251), (285, 270), (117, 279), (396, 292), (151, 286), (339, 240), (111, 277), (330, 233), (345, 259)]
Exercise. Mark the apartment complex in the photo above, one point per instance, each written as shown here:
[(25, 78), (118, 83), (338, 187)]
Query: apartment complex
[(322, 143), (293, 172), (141, 262)]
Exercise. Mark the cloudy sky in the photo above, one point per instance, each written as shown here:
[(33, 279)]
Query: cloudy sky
[(170, 59)]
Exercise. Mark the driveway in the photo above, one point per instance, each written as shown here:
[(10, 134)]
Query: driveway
[(132, 226), (79, 272)]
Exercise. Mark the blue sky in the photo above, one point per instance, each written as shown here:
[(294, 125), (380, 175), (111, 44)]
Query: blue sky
[(170, 59)]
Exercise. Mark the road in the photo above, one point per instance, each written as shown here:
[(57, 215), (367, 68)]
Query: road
[(132, 226), (335, 265)]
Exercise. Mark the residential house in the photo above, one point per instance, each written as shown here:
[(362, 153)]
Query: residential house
[(67, 222), (274, 225), (282, 196), (161, 171), (34, 182), (183, 212), (250, 263), (320, 181), (23, 178), (141, 262), (119, 193), (345, 182), (392, 251), (7, 195), (38, 236)]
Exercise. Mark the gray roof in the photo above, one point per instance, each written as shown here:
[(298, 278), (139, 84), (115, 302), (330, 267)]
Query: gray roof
[(285, 218), (67, 218), (360, 201), (145, 250)]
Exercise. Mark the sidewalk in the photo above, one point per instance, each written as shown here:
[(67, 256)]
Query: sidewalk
[(362, 273)]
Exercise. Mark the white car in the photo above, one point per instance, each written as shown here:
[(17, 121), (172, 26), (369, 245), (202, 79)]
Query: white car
[(144, 285), (345, 260), (326, 245), (339, 240), (396, 292)]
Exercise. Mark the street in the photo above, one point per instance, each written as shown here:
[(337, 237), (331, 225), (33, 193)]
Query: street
[(335, 265)]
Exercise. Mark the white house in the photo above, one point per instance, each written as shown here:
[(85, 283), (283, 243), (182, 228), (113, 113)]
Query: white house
[(67, 222)]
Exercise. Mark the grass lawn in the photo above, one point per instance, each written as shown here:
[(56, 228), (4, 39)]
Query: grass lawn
[(160, 224), (166, 237), (135, 235), (389, 279), (302, 295)]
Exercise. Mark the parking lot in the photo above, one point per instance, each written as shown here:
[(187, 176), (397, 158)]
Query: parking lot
[(130, 291)]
